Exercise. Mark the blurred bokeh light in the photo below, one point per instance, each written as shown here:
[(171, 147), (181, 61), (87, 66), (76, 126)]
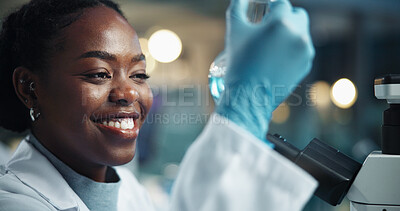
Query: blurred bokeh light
[(344, 93), (320, 92), (165, 46), (281, 114)]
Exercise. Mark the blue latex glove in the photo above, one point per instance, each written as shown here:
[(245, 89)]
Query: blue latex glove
[(265, 62)]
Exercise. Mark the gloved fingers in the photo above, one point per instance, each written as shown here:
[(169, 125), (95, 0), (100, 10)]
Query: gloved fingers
[(300, 23), (280, 1), (237, 9), (279, 8), (300, 17)]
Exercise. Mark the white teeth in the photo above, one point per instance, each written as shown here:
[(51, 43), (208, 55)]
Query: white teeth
[(117, 125), (125, 124), (131, 124)]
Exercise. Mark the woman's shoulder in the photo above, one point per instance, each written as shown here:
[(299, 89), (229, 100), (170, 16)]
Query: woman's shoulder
[(14, 195), (19, 202)]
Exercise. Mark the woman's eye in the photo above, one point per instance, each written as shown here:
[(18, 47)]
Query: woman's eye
[(101, 75), (140, 76)]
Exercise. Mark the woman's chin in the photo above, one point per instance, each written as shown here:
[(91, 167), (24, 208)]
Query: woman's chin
[(120, 157)]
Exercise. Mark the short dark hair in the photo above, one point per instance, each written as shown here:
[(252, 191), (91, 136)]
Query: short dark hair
[(27, 39)]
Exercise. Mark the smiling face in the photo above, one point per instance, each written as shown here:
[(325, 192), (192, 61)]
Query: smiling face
[(94, 97)]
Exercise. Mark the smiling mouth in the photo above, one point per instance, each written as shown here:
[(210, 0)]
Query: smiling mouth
[(120, 123)]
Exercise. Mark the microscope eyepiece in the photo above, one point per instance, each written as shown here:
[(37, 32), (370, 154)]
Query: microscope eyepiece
[(334, 170), (388, 79), (388, 88)]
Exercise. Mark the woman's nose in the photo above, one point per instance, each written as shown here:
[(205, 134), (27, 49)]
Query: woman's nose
[(123, 95)]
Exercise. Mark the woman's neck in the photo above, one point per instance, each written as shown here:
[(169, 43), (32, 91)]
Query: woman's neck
[(80, 165)]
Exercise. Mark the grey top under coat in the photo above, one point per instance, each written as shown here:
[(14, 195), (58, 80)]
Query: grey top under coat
[(97, 196)]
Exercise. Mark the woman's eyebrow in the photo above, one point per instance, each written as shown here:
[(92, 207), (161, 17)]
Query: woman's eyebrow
[(108, 56), (98, 54), (138, 58)]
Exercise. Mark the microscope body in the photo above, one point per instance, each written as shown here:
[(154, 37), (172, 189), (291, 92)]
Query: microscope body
[(372, 186), (377, 184)]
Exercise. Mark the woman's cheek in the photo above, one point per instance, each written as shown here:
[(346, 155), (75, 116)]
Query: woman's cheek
[(93, 95)]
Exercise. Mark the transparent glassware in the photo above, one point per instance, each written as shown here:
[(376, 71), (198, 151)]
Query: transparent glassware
[(257, 9)]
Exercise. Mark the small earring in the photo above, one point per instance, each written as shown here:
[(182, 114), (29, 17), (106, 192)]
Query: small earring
[(32, 86), (21, 81), (32, 114)]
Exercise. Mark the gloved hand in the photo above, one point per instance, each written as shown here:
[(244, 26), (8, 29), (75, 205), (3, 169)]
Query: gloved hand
[(265, 62)]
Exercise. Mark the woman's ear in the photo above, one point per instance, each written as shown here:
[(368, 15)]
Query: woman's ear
[(24, 81)]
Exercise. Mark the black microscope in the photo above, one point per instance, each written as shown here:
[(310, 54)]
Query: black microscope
[(372, 186)]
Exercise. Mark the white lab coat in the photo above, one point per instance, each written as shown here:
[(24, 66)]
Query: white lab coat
[(226, 169), (4, 154)]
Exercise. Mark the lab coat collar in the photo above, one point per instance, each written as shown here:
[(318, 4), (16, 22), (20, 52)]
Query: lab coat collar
[(36, 172)]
